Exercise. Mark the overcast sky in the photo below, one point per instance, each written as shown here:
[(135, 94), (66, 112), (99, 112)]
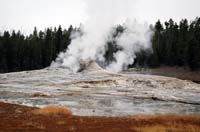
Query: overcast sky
[(25, 14)]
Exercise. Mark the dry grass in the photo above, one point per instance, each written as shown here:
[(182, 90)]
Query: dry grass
[(160, 128), (169, 123), (60, 122), (34, 125), (151, 129), (53, 110), (26, 121)]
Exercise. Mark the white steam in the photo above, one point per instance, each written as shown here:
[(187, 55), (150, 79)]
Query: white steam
[(91, 45), (135, 37)]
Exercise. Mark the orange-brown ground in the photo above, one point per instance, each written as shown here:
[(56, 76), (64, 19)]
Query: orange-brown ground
[(23, 119)]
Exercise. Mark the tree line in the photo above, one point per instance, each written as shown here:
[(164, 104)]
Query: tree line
[(35, 51), (173, 44)]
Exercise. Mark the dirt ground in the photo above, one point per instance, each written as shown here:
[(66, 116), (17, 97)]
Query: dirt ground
[(177, 72), (17, 118)]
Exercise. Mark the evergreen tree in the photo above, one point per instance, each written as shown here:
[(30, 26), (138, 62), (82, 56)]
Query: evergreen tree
[(182, 45), (157, 44), (194, 45)]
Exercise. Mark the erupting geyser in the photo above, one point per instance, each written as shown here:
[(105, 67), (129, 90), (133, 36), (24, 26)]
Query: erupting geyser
[(90, 44)]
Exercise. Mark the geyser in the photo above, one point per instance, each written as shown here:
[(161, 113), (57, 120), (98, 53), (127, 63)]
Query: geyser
[(103, 15)]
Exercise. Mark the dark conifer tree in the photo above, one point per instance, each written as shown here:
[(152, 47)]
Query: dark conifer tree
[(157, 44)]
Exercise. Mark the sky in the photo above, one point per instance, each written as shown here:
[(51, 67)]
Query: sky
[(25, 14)]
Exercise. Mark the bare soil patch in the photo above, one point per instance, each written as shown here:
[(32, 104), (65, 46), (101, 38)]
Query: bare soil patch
[(177, 72)]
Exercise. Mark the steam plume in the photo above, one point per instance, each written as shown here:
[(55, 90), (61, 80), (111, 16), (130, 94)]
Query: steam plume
[(102, 16), (135, 37)]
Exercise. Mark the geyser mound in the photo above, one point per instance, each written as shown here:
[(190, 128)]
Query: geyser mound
[(87, 66), (83, 66)]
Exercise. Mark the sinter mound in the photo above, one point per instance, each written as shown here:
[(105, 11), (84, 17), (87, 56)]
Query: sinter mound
[(89, 66)]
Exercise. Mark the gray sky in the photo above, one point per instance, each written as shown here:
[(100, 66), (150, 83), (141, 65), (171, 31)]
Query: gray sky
[(25, 14)]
